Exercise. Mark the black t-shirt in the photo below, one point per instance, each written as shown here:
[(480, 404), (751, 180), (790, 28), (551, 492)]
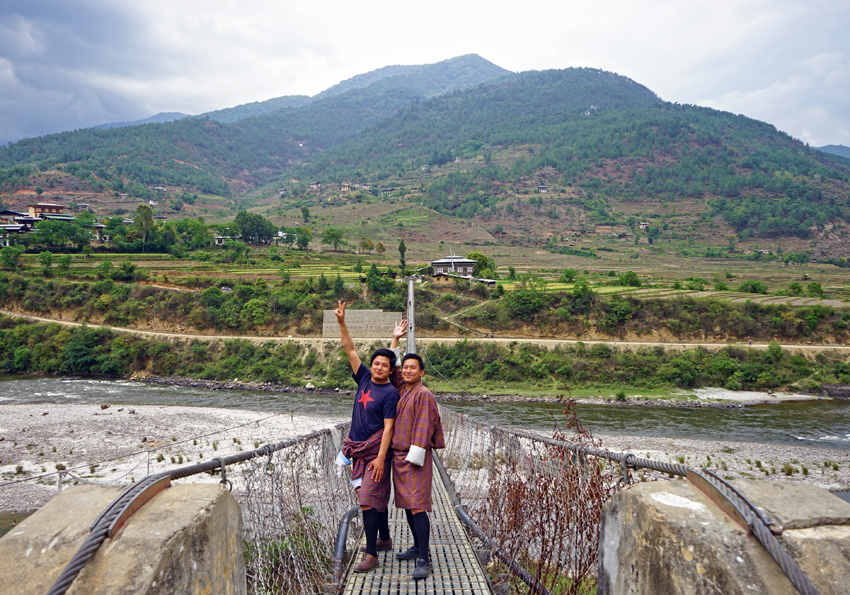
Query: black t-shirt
[(374, 403)]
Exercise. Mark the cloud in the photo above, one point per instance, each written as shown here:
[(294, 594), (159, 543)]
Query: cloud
[(66, 65)]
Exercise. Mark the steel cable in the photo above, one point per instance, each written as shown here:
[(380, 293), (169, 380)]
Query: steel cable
[(489, 496)]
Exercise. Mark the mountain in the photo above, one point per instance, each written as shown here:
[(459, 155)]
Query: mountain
[(839, 150), (602, 142), (425, 80), (256, 108), (156, 119), (428, 79), (220, 157)]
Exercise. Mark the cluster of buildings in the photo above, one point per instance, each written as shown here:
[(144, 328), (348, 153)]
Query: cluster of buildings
[(13, 222), (16, 223)]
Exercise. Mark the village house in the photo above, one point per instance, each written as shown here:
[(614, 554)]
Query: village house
[(345, 188), (542, 189), (41, 208), (387, 192), (153, 203), (643, 224), (160, 188), (454, 264), (315, 185), (99, 233), (7, 217)]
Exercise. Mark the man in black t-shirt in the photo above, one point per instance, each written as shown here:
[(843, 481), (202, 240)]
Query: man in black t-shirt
[(368, 442)]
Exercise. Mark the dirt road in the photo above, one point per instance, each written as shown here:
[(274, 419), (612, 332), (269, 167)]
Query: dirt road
[(550, 343)]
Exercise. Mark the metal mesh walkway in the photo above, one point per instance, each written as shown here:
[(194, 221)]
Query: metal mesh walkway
[(454, 567)]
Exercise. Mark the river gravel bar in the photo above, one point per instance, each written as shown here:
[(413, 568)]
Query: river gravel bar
[(122, 443), (125, 443)]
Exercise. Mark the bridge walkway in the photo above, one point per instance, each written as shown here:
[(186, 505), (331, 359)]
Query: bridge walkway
[(454, 567)]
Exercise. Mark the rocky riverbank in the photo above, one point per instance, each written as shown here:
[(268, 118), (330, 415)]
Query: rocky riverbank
[(102, 444), (697, 398)]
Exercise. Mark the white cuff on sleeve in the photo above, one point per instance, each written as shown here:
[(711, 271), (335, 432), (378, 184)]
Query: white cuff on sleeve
[(397, 351), (416, 455)]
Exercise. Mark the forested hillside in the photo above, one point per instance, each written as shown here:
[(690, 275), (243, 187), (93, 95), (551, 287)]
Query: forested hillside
[(598, 138), (204, 155), (256, 108)]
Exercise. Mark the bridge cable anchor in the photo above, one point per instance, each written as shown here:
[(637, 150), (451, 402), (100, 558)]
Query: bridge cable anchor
[(227, 483)]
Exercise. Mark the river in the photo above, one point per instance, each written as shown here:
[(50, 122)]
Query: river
[(824, 424)]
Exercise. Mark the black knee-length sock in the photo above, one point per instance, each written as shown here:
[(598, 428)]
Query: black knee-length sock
[(371, 520), (384, 526), (409, 515), (423, 531)]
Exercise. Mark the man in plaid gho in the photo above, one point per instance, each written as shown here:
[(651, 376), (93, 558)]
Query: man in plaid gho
[(368, 442), (417, 431)]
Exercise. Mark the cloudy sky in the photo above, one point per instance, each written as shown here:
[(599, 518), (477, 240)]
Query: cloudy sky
[(66, 64)]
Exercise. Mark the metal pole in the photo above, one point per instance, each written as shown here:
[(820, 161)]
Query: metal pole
[(411, 333)]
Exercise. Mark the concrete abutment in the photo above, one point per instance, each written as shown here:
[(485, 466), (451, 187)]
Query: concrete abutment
[(668, 537), (187, 539)]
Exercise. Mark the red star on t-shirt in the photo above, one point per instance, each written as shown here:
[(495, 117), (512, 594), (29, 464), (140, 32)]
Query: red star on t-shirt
[(365, 398)]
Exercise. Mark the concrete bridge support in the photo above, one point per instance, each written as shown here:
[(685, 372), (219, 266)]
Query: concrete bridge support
[(187, 539), (668, 537)]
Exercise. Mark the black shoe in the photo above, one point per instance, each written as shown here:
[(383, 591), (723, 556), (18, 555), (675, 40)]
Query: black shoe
[(422, 570), (409, 554)]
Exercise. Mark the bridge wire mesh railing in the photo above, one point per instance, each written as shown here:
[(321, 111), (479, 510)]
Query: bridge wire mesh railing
[(538, 500), (292, 497)]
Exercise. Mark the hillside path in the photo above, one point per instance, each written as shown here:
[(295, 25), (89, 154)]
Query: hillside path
[(794, 347)]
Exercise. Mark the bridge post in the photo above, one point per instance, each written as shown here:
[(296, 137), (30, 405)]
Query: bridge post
[(187, 538), (669, 537)]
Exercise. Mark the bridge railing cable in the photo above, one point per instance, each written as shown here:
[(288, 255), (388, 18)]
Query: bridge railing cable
[(291, 494), (537, 502)]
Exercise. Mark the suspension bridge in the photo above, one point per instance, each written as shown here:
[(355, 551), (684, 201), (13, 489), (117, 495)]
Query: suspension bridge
[(513, 512)]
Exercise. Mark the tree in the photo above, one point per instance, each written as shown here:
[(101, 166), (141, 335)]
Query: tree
[(402, 249), (568, 275), (39, 190), (366, 244), (380, 248), (339, 286), (103, 268), (814, 290), (254, 228), (85, 219), (629, 279), (63, 264), (358, 268), (46, 260), (498, 229), (144, 222), (305, 213), (11, 257), (333, 237), (59, 233), (481, 262), (303, 238), (323, 284)]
